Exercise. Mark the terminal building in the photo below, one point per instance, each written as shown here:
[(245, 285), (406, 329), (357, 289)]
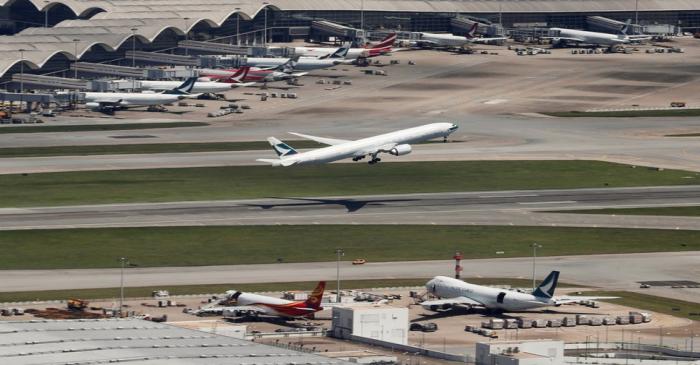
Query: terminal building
[(46, 37)]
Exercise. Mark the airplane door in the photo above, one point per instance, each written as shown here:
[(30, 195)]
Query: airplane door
[(500, 297)]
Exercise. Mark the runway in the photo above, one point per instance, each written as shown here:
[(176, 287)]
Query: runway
[(524, 207), (612, 272)]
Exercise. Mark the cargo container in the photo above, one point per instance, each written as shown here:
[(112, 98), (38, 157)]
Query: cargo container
[(569, 321)]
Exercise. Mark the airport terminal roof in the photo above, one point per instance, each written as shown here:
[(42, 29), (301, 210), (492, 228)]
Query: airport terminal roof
[(136, 342), (113, 25)]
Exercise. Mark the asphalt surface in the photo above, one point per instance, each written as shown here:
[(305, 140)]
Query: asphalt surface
[(606, 271), (490, 207)]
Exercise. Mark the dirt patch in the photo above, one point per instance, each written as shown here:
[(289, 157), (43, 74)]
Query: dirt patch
[(469, 73), (387, 99), (662, 77), (424, 86), (326, 110), (586, 97), (615, 88)]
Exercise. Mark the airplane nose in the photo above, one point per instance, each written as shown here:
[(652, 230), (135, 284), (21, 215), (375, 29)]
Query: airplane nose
[(430, 285)]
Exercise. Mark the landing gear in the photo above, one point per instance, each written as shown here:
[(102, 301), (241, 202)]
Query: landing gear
[(444, 139), (358, 158), (374, 160)]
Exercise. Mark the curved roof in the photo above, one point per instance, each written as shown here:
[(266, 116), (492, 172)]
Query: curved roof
[(150, 18)]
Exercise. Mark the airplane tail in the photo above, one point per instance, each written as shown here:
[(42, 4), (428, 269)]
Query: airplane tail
[(339, 53), (288, 66), (239, 75), (547, 287), (316, 296), (625, 27), (183, 89), (282, 149), (472, 31), (386, 42)]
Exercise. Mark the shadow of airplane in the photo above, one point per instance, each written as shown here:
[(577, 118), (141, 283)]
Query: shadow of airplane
[(351, 205)]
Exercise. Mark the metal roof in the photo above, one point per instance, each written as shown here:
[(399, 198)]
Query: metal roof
[(136, 342), (150, 18)]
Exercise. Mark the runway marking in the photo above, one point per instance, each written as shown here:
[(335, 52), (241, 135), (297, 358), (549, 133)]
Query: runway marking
[(550, 202), (507, 196)]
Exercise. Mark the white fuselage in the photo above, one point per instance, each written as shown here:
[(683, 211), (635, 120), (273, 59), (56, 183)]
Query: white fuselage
[(198, 88), (582, 36), (364, 146), (353, 53), (131, 99), (490, 298), (444, 40), (304, 63)]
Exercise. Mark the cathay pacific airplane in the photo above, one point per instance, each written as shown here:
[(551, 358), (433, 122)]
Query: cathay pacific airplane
[(455, 292), (394, 143)]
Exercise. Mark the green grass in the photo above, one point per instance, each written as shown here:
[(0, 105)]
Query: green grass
[(665, 211), (683, 135), (145, 291), (144, 148), (240, 182), (651, 303), (96, 127), (629, 113), (229, 245)]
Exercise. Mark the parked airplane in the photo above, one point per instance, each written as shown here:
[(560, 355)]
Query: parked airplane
[(395, 143), (201, 87), (378, 49), (303, 63), (255, 74), (439, 40), (456, 292), (109, 102), (563, 36), (254, 304)]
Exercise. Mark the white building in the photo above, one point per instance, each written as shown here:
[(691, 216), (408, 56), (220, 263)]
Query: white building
[(538, 352), (380, 323)]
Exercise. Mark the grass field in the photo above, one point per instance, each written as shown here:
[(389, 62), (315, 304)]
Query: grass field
[(228, 245), (665, 211), (240, 182), (145, 291), (674, 307), (97, 127), (629, 113), (144, 148)]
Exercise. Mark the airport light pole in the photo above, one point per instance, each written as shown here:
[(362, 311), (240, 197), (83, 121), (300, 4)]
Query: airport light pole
[(123, 261), (21, 72), (265, 28), (46, 14), (534, 246), (75, 73), (187, 34), (338, 252), (636, 11), (133, 47), (362, 16), (238, 26)]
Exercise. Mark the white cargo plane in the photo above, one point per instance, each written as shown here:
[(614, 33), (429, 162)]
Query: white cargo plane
[(445, 40), (395, 143), (563, 36), (455, 292), (109, 102), (254, 304)]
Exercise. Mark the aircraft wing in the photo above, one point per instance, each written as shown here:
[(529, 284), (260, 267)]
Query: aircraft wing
[(447, 303), (322, 140), (570, 39), (278, 162), (243, 84), (486, 40), (566, 300), (108, 101)]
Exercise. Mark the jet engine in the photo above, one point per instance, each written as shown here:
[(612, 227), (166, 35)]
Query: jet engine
[(400, 150)]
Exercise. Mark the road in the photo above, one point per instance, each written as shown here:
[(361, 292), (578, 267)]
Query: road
[(526, 207), (607, 271)]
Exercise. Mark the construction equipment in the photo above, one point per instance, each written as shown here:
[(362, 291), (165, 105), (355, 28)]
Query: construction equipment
[(77, 304)]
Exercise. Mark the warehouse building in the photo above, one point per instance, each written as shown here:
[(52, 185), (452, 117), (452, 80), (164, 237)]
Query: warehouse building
[(134, 341)]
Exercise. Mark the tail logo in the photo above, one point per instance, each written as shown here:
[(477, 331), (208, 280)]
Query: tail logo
[(283, 149)]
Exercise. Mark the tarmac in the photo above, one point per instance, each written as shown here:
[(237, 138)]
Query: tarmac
[(609, 272), (524, 207)]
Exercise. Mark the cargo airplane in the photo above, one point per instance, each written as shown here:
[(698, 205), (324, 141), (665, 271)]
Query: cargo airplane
[(109, 102), (563, 36), (455, 292), (394, 143), (442, 40), (254, 304)]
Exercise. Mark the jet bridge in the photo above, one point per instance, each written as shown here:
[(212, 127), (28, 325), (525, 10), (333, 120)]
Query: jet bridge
[(213, 47), (326, 28), (162, 58), (49, 82), (105, 69), (607, 25)]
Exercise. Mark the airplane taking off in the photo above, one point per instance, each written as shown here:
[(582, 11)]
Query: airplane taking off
[(109, 102), (378, 49), (456, 292), (247, 303), (453, 41), (563, 35), (395, 143)]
